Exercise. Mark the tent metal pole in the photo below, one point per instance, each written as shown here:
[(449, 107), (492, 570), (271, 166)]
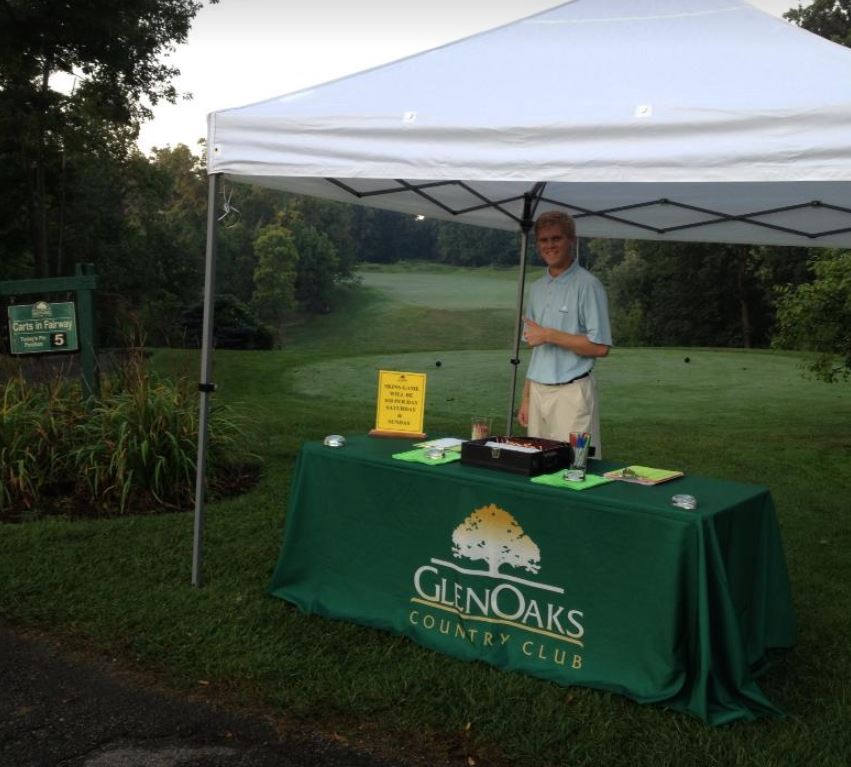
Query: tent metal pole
[(530, 201), (205, 386)]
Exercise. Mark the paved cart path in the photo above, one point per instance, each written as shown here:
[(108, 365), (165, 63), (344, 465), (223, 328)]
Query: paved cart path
[(65, 712)]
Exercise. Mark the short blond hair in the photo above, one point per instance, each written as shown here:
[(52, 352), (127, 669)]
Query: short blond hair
[(557, 218)]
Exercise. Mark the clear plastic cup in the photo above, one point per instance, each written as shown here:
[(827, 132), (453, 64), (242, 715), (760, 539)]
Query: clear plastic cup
[(480, 427)]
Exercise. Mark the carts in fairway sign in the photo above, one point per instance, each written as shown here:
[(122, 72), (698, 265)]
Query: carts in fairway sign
[(41, 328)]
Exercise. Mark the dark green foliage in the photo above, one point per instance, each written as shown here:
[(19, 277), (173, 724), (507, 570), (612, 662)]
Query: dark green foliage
[(474, 246), (817, 316), (275, 274), (236, 259), (134, 449), (145, 235), (48, 138), (322, 256), (386, 237), (670, 294), (234, 326), (828, 18), (318, 267), (664, 294), (333, 220)]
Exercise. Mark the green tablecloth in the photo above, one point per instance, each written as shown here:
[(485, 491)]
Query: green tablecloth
[(611, 588)]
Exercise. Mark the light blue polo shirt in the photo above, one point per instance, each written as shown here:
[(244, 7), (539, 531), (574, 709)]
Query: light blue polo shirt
[(574, 302)]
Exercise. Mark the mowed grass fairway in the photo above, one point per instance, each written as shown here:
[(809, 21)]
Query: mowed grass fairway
[(120, 587)]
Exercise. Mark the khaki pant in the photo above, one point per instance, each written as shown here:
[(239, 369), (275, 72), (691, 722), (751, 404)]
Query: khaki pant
[(555, 411)]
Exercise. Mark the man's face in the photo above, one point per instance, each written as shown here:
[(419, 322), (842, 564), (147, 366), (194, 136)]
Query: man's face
[(555, 248)]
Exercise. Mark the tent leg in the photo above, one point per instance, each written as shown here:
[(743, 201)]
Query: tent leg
[(518, 330), (205, 387), (530, 201)]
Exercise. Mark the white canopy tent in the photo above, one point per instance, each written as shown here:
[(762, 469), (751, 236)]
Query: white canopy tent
[(700, 120), (740, 121)]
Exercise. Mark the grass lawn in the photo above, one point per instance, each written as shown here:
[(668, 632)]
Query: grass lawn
[(121, 586)]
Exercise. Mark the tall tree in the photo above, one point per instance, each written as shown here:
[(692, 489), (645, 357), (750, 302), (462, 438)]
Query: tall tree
[(113, 50), (159, 267), (817, 316), (334, 220), (828, 18), (317, 269), (275, 274)]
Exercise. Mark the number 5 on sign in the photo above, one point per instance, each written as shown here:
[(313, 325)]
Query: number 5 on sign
[(400, 406)]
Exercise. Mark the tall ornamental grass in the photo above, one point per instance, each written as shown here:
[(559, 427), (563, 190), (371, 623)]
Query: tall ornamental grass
[(132, 449), (35, 425)]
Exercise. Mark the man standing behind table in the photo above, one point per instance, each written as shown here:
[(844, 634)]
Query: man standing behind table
[(567, 326)]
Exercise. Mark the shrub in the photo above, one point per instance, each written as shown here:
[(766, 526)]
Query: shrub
[(234, 326), (817, 316), (134, 449)]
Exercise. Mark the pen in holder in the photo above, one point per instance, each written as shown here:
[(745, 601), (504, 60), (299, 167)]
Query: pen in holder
[(579, 442)]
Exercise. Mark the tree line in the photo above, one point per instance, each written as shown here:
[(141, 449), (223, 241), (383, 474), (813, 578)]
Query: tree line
[(75, 188)]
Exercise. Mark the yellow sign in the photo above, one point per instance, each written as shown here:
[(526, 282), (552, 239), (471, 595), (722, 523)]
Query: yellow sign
[(401, 404)]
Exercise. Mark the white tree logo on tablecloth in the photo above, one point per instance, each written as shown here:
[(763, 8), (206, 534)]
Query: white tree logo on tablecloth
[(493, 535)]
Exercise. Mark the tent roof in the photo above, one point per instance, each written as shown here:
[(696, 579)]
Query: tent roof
[(703, 120)]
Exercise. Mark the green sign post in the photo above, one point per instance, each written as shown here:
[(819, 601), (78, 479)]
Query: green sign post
[(41, 328), (57, 327)]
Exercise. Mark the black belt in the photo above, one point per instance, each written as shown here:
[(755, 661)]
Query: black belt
[(565, 383)]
